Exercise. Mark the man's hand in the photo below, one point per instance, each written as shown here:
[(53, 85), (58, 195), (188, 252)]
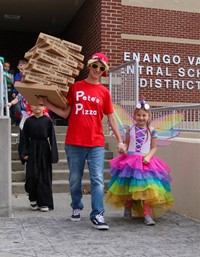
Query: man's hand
[(121, 148)]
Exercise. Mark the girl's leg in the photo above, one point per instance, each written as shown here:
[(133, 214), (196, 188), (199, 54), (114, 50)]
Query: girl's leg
[(147, 209), (127, 209), (147, 215), (128, 204)]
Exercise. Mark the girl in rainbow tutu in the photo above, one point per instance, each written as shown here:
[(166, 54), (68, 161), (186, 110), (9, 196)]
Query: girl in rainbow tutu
[(140, 180)]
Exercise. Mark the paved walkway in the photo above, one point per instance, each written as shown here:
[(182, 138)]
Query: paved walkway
[(52, 234)]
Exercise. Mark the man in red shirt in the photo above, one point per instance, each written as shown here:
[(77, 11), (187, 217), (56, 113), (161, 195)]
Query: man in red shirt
[(88, 100)]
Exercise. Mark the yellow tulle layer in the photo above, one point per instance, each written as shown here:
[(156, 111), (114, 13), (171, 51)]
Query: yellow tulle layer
[(160, 199)]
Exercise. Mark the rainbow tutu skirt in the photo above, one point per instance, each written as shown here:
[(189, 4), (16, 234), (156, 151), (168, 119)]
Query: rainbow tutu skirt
[(141, 183)]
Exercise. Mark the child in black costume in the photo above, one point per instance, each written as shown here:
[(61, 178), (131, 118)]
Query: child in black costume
[(38, 149)]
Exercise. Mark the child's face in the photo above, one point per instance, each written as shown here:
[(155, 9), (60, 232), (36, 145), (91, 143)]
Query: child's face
[(21, 66), (6, 66), (37, 109), (141, 117)]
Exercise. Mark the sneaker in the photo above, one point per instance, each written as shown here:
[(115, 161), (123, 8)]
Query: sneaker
[(149, 221), (99, 222), (76, 215), (33, 206), (127, 213), (44, 208)]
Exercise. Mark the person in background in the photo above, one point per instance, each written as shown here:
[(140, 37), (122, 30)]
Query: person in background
[(10, 86), (18, 104), (38, 150), (2, 59), (7, 82), (9, 79), (140, 180), (18, 76), (88, 100), (4, 84)]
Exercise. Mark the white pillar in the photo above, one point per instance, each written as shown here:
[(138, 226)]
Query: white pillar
[(5, 167)]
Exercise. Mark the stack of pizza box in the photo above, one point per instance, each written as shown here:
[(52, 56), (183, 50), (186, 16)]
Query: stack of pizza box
[(53, 65)]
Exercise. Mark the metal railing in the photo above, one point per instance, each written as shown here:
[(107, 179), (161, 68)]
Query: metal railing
[(190, 122), (123, 85), (191, 114)]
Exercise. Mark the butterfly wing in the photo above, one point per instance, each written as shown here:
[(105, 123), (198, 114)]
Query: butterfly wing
[(123, 118), (166, 127)]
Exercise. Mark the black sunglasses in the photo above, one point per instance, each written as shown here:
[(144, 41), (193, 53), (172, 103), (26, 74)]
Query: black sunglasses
[(95, 66)]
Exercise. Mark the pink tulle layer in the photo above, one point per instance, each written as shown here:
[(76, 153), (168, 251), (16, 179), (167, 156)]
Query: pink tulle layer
[(125, 162)]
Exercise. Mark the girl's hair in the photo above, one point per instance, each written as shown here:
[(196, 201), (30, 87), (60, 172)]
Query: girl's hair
[(148, 112), (6, 62)]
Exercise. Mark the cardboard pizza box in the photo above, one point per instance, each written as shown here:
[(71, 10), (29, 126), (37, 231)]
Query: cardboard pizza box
[(43, 36), (28, 55), (35, 67), (45, 58), (40, 68), (58, 49), (31, 92), (78, 56), (42, 55), (55, 52), (61, 70), (63, 50), (35, 79), (69, 59), (51, 59), (64, 89), (37, 46), (46, 77), (31, 51)]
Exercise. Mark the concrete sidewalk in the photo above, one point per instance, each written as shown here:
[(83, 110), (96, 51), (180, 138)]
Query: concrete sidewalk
[(52, 234)]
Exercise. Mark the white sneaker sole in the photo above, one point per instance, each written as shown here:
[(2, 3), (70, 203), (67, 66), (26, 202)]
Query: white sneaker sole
[(101, 227), (150, 223), (35, 208), (75, 219), (44, 209)]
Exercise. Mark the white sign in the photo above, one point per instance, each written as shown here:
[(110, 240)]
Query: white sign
[(149, 65)]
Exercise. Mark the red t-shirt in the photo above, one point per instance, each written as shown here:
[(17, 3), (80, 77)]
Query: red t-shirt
[(88, 104)]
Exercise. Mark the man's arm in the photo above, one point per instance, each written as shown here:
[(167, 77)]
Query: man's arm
[(113, 124), (62, 112)]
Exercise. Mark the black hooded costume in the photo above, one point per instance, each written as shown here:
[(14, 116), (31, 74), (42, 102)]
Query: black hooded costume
[(38, 142)]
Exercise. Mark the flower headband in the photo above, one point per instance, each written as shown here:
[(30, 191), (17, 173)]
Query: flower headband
[(142, 104)]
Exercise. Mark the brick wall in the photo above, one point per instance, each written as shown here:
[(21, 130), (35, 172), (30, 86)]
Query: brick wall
[(85, 30), (177, 94), (158, 22), (111, 30), (99, 26), (165, 23)]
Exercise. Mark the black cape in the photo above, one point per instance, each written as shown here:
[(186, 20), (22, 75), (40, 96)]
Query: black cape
[(38, 142)]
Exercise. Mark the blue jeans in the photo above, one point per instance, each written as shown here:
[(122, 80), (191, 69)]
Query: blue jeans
[(76, 157)]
